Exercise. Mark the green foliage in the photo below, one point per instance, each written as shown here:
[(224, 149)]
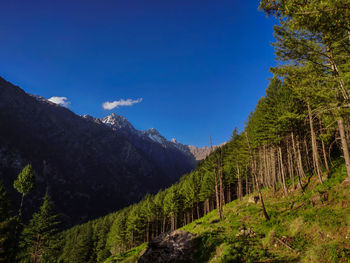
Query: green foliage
[(117, 234), (129, 256), (78, 245), (244, 249), (39, 238), (7, 226), (25, 181)]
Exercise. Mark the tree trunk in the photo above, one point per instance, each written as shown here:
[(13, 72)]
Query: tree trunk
[(273, 168), (268, 167), (337, 74), (217, 195), (325, 157), (308, 163), (36, 251), (324, 153), (198, 215), (222, 194), (175, 222), (297, 154), (344, 146), (290, 165), (20, 207), (256, 180), (266, 171), (240, 195), (283, 177), (260, 164), (314, 146), (163, 224), (172, 223)]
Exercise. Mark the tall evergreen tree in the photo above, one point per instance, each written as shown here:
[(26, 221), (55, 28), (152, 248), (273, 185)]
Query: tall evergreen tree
[(39, 236)]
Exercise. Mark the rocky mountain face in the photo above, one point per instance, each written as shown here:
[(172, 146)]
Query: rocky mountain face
[(200, 153), (171, 160), (122, 125), (89, 166)]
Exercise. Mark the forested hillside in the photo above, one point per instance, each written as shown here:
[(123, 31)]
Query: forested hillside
[(293, 155), (309, 226)]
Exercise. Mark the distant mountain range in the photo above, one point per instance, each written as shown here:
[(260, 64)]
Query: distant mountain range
[(89, 166), (121, 125)]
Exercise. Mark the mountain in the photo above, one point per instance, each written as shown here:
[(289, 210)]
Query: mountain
[(87, 167), (122, 125), (200, 153), (171, 159)]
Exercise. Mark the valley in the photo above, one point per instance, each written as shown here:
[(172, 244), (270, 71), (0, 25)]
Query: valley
[(267, 81)]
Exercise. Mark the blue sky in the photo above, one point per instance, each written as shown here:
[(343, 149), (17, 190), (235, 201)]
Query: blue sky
[(198, 66)]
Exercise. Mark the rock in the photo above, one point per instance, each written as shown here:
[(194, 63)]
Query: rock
[(246, 233), (171, 247), (253, 199)]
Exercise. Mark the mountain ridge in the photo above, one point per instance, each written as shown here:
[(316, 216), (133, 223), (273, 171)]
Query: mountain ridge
[(81, 163), (118, 123)]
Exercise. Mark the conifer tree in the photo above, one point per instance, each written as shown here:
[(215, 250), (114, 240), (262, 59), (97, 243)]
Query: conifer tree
[(82, 250), (38, 237), (102, 229), (116, 240)]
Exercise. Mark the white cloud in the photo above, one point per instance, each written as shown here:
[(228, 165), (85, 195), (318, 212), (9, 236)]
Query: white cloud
[(117, 103), (63, 101)]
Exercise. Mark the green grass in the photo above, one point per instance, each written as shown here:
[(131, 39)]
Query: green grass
[(316, 228), (129, 256)]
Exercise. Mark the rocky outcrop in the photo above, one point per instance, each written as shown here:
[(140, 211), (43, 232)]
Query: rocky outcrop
[(200, 153), (171, 247), (253, 199)]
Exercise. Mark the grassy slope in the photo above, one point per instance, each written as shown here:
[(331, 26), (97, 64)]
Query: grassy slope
[(316, 229)]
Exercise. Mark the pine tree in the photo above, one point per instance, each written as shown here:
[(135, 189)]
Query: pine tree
[(82, 248), (102, 229), (116, 239), (317, 32), (38, 238)]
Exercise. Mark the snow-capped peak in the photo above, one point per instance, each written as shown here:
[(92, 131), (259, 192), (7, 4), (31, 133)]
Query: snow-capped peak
[(117, 122)]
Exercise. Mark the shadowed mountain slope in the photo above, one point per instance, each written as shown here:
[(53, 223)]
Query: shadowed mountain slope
[(88, 169)]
